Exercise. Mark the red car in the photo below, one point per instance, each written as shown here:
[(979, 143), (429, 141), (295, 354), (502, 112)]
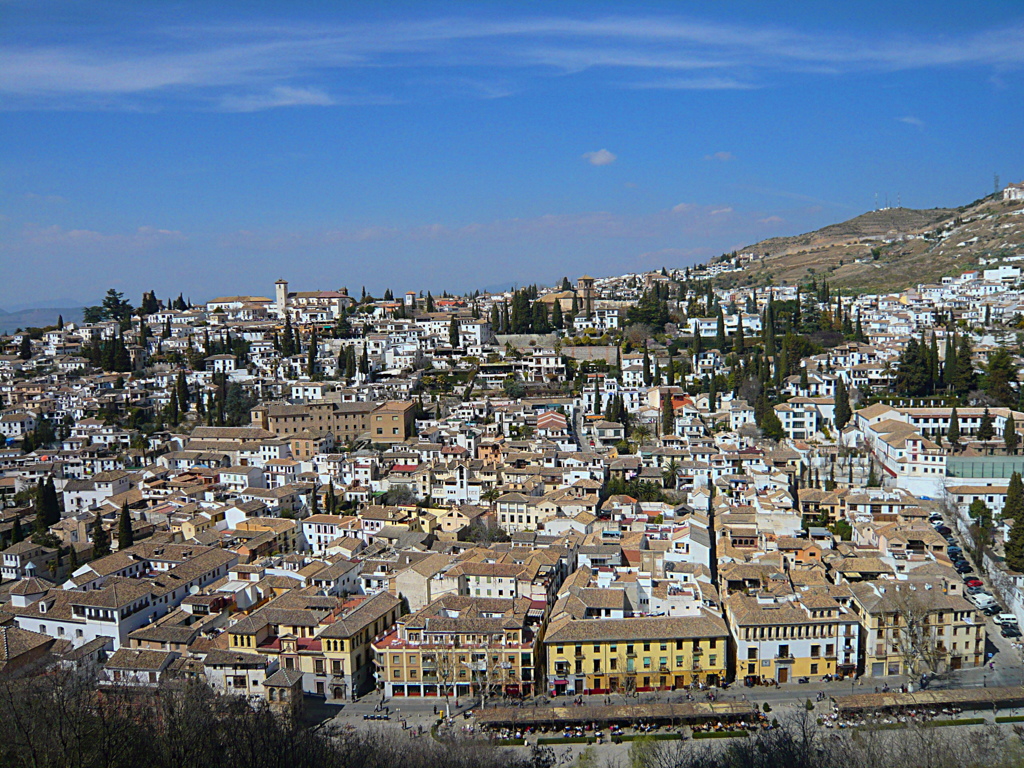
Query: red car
[(974, 583)]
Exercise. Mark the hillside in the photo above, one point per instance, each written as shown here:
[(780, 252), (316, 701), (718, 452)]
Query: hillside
[(889, 249), (37, 318)]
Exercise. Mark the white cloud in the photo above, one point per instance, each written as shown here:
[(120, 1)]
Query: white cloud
[(721, 211), (694, 84), (243, 65), (683, 207), (911, 120), (771, 220), (281, 96), (723, 157), (600, 157)]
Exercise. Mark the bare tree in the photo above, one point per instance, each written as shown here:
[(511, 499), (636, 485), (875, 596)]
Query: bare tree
[(915, 628)]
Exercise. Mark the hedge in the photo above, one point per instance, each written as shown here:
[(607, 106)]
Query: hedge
[(567, 740), (510, 742), (651, 736), (718, 734), (1010, 719), (962, 721)]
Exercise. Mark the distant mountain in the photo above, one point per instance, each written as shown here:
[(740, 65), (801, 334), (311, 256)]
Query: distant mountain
[(889, 249), (38, 318), (47, 304)]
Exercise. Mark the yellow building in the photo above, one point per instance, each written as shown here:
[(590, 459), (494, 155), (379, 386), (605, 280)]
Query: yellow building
[(912, 628), (347, 645), (792, 634), (325, 639), (634, 654)]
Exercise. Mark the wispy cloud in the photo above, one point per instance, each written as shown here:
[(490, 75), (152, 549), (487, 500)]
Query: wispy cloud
[(142, 239), (722, 157), (280, 96), (600, 157), (911, 120), (246, 66), (771, 220), (695, 84)]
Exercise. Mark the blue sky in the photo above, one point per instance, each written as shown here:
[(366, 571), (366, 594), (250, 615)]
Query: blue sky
[(212, 147)]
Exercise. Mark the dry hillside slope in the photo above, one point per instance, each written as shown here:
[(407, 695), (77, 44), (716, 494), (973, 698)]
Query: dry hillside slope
[(889, 249)]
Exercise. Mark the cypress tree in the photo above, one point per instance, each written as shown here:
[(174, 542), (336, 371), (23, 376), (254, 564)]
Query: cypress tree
[(72, 559), (1013, 508), (986, 430), (668, 422), (430, 302), (842, 411), (1010, 437), (739, 342), (949, 363), (100, 540), (17, 534), (453, 333), (312, 354), (556, 315), (953, 433), (288, 338), (51, 504), (125, 534), (1014, 549), (720, 338), (647, 367), (173, 412), (183, 395), (873, 477)]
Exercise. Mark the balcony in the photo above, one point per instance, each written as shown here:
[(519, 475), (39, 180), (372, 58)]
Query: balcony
[(785, 659)]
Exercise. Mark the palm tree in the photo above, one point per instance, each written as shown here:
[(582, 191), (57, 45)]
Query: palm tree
[(670, 475), (640, 433), (490, 496)]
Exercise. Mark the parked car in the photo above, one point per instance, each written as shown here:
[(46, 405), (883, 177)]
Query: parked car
[(944, 529), (977, 591), (993, 610), (973, 581), (1006, 619), (963, 568), (1010, 630)]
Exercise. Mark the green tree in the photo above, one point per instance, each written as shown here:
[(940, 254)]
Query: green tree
[(557, 321), (1011, 440), (288, 338), (453, 333), (311, 353), (125, 534), (25, 350), (115, 307), (720, 337), (842, 411), (430, 302), (181, 387), (1014, 549), (964, 377), (986, 429), (668, 420), (100, 540), (1013, 507), (1000, 378), (953, 433)]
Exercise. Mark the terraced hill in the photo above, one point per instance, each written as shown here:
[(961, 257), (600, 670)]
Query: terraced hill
[(889, 249)]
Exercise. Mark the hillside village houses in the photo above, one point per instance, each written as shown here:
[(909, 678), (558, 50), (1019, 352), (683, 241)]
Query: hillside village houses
[(529, 492)]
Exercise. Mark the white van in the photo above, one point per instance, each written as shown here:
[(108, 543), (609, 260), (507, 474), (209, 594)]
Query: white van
[(1004, 619), (982, 601)]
